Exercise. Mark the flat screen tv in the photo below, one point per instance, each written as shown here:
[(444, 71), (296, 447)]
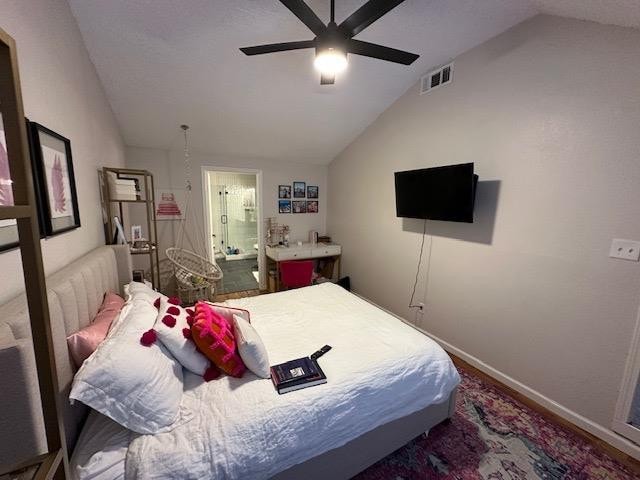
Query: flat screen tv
[(439, 193)]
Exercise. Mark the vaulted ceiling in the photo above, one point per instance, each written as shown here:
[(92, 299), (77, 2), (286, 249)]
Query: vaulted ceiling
[(164, 63)]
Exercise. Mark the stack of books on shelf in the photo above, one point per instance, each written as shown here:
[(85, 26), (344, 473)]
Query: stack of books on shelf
[(122, 188), (296, 374)]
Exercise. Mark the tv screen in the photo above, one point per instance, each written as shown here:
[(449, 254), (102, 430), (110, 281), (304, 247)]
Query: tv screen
[(439, 193)]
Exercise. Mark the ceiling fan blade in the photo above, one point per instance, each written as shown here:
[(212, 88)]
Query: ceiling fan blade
[(306, 15), (383, 53), (366, 15), (327, 79), (278, 47)]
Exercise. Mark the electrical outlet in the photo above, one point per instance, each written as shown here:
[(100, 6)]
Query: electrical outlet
[(625, 249)]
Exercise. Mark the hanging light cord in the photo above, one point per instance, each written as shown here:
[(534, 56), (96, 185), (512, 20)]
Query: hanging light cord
[(187, 162)]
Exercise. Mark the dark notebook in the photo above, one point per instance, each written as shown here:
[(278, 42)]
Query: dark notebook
[(296, 374)]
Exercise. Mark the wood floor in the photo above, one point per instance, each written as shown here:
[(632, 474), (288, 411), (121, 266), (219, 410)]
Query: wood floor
[(221, 297), (622, 457)]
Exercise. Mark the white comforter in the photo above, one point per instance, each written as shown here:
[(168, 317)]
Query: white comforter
[(378, 370)]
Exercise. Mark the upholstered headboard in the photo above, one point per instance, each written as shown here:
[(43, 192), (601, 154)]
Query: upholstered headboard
[(75, 293)]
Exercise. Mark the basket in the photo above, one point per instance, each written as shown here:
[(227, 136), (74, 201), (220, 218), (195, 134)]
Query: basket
[(195, 275)]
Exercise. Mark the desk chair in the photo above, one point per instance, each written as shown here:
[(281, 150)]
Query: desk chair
[(296, 274)]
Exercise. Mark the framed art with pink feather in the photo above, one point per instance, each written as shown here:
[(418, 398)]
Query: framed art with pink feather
[(8, 228), (56, 186)]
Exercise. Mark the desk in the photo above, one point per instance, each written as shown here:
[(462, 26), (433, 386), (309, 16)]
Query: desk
[(307, 251)]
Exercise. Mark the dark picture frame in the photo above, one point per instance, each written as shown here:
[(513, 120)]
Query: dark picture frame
[(299, 189), (284, 191), (312, 191), (312, 206), (284, 206), (56, 185), (299, 206)]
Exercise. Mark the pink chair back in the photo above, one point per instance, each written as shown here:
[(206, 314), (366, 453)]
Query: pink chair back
[(296, 274)]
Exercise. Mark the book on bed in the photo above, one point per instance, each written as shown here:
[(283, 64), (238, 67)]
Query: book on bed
[(296, 374)]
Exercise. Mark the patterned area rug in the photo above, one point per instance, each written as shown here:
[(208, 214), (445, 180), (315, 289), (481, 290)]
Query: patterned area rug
[(494, 437)]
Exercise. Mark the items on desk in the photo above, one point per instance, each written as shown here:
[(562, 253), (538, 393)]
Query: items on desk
[(275, 232)]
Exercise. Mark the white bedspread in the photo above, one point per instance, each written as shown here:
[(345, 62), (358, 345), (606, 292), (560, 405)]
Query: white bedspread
[(378, 370)]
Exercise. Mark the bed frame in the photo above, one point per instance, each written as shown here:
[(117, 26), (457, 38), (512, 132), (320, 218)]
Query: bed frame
[(75, 294)]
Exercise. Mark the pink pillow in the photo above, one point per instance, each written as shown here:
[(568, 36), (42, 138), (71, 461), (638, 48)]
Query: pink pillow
[(84, 342), (214, 338)]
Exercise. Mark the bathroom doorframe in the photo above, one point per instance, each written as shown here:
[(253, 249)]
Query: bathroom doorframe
[(630, 380), (206, 208)]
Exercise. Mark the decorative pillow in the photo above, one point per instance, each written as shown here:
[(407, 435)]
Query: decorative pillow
[(173, 327), (141, 291), (250, 347), (139, 387), (214, 337), (228, 312), (84, 342)]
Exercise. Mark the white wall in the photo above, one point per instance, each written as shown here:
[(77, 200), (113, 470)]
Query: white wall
[(549, 112), (60, 89), (168, 169)]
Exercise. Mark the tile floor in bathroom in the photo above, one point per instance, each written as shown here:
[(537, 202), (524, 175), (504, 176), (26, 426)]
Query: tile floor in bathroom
[(238, 275)]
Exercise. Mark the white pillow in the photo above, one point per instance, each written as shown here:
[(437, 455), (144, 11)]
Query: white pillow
[(175, 333), (138, 386), (250, 347), (141, 291)]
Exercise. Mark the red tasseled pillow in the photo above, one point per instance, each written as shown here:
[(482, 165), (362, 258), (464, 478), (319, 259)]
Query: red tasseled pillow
[(214, 337)]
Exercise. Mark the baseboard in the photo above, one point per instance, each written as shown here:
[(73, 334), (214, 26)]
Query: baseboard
[(578, 420), (595, 429)]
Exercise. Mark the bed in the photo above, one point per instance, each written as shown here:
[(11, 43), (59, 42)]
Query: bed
[(387, 383)]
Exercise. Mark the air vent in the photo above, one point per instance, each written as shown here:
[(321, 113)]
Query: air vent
[(436, 78)]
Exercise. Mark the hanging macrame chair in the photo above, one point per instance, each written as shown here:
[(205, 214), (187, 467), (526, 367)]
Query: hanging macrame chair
[(195, 274)]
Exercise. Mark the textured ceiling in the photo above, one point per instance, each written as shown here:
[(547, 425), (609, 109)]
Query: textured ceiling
[(164, 63), (625, 13)]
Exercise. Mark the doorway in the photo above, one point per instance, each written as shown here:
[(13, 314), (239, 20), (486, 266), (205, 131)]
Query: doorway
[(232, 208), (626, 420)]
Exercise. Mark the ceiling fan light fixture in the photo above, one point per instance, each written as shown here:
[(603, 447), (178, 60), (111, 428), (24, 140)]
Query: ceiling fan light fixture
[(330, 61)]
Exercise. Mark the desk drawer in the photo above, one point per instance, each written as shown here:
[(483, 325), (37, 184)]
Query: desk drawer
[(293, 255), (326, 251)]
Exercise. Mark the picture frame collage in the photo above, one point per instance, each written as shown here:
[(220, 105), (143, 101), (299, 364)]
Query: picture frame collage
[(299, 198), (54, 184)]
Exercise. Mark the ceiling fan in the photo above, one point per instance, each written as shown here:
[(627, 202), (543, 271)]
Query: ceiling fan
[(333, 42)]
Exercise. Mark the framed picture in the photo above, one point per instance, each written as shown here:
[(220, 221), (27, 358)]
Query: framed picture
[(284, 191), (312, 206), (168, 204), (55, 180), (299, 206), (284, 206), (8, 228), (299, 189), (136, 233), (312, 191), (138, 276)]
